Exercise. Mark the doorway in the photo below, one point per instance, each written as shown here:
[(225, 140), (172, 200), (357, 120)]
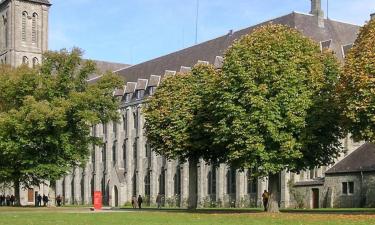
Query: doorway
[(315, 198), (115, 195)]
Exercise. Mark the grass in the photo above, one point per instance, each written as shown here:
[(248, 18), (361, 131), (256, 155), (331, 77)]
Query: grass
[(82, 216)]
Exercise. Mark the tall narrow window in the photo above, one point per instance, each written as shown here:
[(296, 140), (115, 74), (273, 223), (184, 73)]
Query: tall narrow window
[(35, 62), (24, 21), (34, 29), (25, 60), (114, 153), (124, 153)]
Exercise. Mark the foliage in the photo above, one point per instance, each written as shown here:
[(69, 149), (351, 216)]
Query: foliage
[(46, 114), (177, 121), (271, 104), (357, 86)]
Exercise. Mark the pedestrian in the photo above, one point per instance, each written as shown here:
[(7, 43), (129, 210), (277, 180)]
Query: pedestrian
[(7, 199), (134, 202), (12, 200), (2, 200), (265, 197), (39, 200), (45, 200), (158, 201), (58, 200), (140, 201)]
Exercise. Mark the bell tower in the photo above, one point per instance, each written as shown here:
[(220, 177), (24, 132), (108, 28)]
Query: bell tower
[(23, 31)]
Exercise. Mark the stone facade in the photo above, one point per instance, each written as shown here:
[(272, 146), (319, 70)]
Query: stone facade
[(352, 190), (24, 31)]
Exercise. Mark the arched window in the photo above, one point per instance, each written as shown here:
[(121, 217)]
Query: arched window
[(34, 29), (35, 61), (24, 21), (25, 60)]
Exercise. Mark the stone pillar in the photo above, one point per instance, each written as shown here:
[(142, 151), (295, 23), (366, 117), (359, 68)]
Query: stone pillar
[(220, 186), (68, 190), (240, 189), (202, 182), (86, 185), (141, 150), (59, 187), (77, 186), (169, 180), (262, 185), (184, 184), (154, 188), (285, 194)]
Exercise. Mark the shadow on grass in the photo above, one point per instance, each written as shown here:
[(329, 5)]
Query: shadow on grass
[(367, 211), (196, 211)]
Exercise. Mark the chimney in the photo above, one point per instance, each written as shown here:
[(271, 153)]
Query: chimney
[(372, 16), (316, 10)]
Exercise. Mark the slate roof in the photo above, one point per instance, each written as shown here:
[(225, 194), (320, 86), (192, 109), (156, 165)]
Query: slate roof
[(103, 67), (315, 182), (340, 33), (39, 1), (362, 159)]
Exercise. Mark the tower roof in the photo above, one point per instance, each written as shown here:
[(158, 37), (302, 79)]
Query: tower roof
[(46, 2)]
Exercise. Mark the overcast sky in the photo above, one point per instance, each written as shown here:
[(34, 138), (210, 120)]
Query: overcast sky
[(133, 31)]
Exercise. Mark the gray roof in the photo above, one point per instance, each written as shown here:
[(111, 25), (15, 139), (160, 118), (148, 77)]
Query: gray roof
[(361, 160), (39, 1), (340, 33), (315, 182), (103, 66)]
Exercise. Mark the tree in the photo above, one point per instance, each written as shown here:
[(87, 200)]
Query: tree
[(178, 123), (273, 108), (357, 92), (45, 117)]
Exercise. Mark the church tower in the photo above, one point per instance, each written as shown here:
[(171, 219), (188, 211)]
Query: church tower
[(23, 31)]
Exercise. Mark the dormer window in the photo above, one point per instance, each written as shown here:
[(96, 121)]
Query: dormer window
[(325, 44), (152, 90), (140, 94), (346, 49), (127, 97)]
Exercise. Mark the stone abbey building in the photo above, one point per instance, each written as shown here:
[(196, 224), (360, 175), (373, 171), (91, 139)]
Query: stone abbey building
[(126, 165)]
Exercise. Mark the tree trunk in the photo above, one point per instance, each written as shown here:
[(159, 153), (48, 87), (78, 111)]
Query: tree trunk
[(273, 201), (193, 183), (17, 193)]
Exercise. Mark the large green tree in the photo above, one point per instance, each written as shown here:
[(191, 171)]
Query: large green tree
[(274, 107), (178, 124), (45, 117), (357, 86)]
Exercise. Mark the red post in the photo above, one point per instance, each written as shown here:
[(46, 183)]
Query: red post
[(97, 200)]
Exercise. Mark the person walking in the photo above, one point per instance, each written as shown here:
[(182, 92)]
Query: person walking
[(140, 201), (265, 197), (12, 200), (45, 200), (39, 200), (134, 202), (7, 199), (58, 200), (158, 201), (2, 200)]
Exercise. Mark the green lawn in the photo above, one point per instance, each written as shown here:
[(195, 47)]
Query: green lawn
[(82, 216)]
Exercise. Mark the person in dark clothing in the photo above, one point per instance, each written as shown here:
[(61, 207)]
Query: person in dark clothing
[(265, 197), (12, 200), (58, 200), (45, 200), (2, 200), (140, 201), (39, 200), (7, 199)]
